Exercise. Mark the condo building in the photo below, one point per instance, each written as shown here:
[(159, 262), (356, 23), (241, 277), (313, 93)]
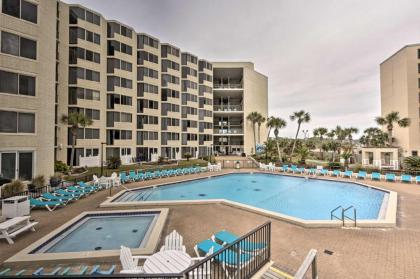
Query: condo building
[(400, 91), (146, 99)]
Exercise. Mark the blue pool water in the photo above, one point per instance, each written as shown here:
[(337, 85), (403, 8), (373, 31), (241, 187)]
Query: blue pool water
[(310, 199), (102, 233)]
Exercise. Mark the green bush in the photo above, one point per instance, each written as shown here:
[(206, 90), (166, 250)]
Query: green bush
[(12, 188), (113, 163), (187, 155), (334, 165), (39, 181), (59, 166), (412, 164)]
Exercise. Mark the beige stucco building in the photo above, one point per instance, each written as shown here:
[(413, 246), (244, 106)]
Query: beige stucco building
[(400, 91), (146, 98)]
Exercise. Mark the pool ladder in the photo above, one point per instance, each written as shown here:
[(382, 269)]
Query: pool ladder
[(343, 216)]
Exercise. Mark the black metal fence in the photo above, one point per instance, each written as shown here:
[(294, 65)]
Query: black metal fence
[(239, 259)]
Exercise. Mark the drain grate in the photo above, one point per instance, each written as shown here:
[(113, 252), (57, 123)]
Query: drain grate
[(328, 252), (202, 195), (257, 190), (98, 248), (99, 228), (253, 181), (135, 230)]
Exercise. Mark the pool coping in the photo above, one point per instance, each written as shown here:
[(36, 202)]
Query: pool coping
[(25, 255), (389, 216)]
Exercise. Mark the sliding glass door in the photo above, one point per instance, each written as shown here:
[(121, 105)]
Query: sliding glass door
[(16, 165)]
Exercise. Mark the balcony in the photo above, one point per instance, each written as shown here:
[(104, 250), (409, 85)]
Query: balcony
[(227, 86), (228, 108), (226, 131)]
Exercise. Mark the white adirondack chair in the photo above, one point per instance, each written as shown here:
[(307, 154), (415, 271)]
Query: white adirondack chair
[(116, 182), (130, 263), (174, 241)]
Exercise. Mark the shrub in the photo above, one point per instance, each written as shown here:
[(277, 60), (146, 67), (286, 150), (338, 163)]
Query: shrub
[(38, 181), (187, 155), (56, 179), (113, 163), (334, 165), (412, 164), (12, 188), (59, 166)]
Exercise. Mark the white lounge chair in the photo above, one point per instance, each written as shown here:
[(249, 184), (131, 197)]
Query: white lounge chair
[(130, 263), (173, 241), (15, 226)]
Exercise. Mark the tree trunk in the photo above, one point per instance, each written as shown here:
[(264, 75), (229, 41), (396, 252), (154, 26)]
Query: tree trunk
[(294, 142), (390, 137), (278, 149), (266, 149), (255, 139), (259, 132), (74, 135)]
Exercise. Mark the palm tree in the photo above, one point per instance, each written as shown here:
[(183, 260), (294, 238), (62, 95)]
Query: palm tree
[(349, 134), (389, 120), (330, 134), (277, 123), (253, 117), (320, 132), (75, 120), (301, 117), (260, 121)]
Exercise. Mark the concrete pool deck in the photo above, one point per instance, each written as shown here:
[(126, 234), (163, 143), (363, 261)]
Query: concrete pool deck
[(357, 253)]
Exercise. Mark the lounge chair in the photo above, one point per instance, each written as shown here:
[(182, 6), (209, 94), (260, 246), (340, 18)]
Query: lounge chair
[(6, 271), (133, 176), (348, 174), (124, 178), (40, 272), (390, 177), (97, 271), (130, 263), (375, 176), (335, 173), (311, 171), (323, 172), (50, 205), (115, 180), (50, 197), (284, 168), (417, 179), (361, 175), (406, 178), (173, 241), (83, 186), (79, 190), (226, 237), (64, 193), (227, 258), (82, 270)]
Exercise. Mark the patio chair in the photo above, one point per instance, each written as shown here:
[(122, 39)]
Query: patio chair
[(311, 171), (130, 263), (50, 205), (50, 197), (335, 173), (96, 270), (375, 176), (323, 172), (226, 237), (40, 272), (115, 179), (124, 178), (406, 178), (173, 241), (284, 168), (82, 270), (417, 179), (74, 195), (133, 176), (390, 177), (347, 174), (361, 175)]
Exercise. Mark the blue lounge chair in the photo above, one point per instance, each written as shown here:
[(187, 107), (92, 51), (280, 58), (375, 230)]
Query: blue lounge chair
[(133, 176), (64, 193), (226, 237), (97, 271), (348, 173), (323, 172), (390, 177), (336, 173), (50, 197), (375, 176), (406, 178), (124, 178), (418, 179), (79, 190), (50, 205), (85, 186), (82, 271), (361, 175), (284, 168), (228, 257), (40, 271), (6, 272), (311, 171)]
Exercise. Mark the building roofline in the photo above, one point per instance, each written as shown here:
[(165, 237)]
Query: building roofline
[(398, 51)]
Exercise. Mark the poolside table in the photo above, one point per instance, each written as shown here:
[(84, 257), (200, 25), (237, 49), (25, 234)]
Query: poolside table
[(169, 261), (15, 226)]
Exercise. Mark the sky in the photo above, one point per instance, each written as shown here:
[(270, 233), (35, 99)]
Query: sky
[(320, 56)]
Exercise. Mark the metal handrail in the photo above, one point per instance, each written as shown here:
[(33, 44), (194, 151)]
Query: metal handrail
[(333, 216), (354, 219)]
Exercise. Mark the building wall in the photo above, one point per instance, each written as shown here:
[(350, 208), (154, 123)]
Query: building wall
[(43, 69), (400, 92)]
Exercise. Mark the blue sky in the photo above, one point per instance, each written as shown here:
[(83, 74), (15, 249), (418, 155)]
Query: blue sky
[(321, 56)]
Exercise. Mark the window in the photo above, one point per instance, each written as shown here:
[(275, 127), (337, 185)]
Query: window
[(143, 40), (168, 64), (92, 152), (17, 122), (76, 33), (202, 64), (166, 49), (146, 72), (18, 46), (145, 87), (20, 9), (414, 153), (16, 165), (146, 56), (79, 13)]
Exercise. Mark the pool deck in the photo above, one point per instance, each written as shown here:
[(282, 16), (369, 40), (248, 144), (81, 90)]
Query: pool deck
[(357, 253)]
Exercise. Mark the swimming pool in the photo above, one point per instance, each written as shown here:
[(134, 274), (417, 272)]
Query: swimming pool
[(99, 234), (306, 199)]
